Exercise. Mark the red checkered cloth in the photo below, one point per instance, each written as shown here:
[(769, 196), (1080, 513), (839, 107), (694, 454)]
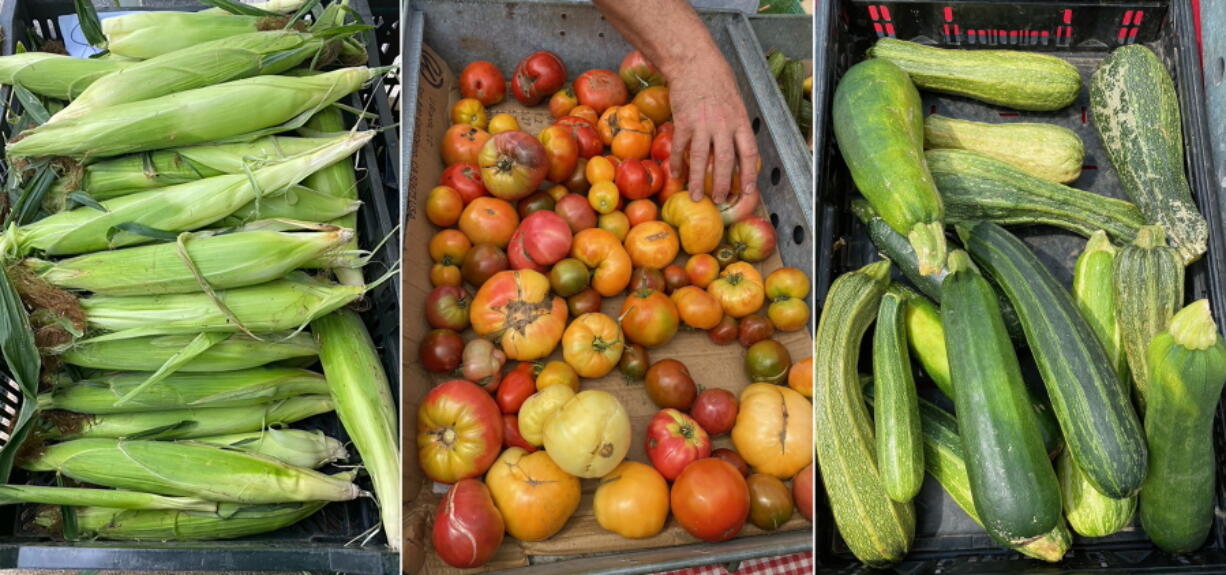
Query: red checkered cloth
[(795, 564)]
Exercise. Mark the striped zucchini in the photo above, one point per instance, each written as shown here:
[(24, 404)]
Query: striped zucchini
[(1090, 513), (879, 126), (1136, 113), (1047, 151), (1099, 425), (1148, 291), (976, 187), (1094, 293), (1187, 365), (1015, 79), (878, 530), (1012, 481), (900, 452)]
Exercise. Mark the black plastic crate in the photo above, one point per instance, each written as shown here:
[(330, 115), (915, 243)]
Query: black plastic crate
[(330, 539), (947, 541)]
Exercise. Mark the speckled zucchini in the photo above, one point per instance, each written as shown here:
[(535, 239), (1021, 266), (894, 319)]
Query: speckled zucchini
[(1148, 291), (900, 453), (1046, 151)]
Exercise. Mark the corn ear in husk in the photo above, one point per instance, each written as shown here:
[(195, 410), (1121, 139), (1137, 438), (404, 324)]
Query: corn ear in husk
[(146, 35), (131, 525), (234, 353), (278, 6), (296, 203), (113, 498), (180, 390), (298, 447), (54, 75), (337, 180), (185, 423)]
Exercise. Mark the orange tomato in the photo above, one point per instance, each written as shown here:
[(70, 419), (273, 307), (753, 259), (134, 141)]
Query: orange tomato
[(652, 245), (443, 206), (604, 197), (738, 289), (615, 223), (557, 373), (599, 169), (533, 494), (462, 143), (562, 151), (640, 211), (600, 251), (632, 501), (697, 308), (469, 111), (592, 345), (444, 275), (489, 220), (649, 318), (698, 223), (653, 102), (800, 377), (627, 131), (449, 246), (503, 123), (710, 499), (518, 312), (562, 102), (585, 112), (774, 430), (702, 269), (786, 289)]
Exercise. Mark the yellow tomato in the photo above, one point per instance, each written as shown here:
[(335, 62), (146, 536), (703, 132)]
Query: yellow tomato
[(632, 501), (589, 435), (538, 409), (774, 430), (599, 169), (592, 345), (615, 223), (469, 111), (557, 373), (503, 123), (533, 494), (603, 197)]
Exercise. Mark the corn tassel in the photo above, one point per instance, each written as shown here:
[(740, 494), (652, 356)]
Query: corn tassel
[(185, 423), (184, 390), (234, 353), (113, 498), (298, 447), (54, 75), (118, 524), (146, 35)]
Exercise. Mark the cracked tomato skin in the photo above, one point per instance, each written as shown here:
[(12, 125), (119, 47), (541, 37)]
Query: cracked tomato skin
[(467, 526), (516, 310), (710, 499), (533, 494), (459, 431), (537, 77), (774, 430)]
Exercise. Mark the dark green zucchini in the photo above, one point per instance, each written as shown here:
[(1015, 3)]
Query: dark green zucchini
[(1148, 291), (900, 452)]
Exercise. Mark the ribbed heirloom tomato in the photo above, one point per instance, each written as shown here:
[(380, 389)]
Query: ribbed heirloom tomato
[(489, 221), (467, 526), (774, 430), (589, 435), (517, 311), (585, 135), (649, 318), (652, 245), (539, 408), (533, 494), (513, 164), (600, 89), (710, 499), (627, 131), (600, 251), (632, 501), (462, 143), (541, 240), (698, 223), (592, 345), (675, 440), (459, 431), (739, 289)]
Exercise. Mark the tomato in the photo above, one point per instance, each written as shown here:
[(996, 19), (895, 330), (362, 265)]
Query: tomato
[(615, 223), (503, 123), (789, 314), (482, 262), (600, 169), (770, 501), (652, 245), (482, 364), (627, 131), (702, 269), (537, 202), (774, 430), (639, 73), (711, 500), (753, 329), (715, 410), (739, 289), (600, 90), (656, 176), (786, 289), (675, 440), (444, 275), (585, 113), (647, 279), (767, 361), (725, 254), (640, 211), (723, 333), (467, 526), (558, 373), (753, 238), (800, 377), (562, 151), (489, 221), (539, 408), (443, 206), (633, 180), (459, 431), (511, 436), (449, 246), (802, 492), (585, 135), (733, 458), (577, 182), (654, 104), (513, 165), (447, 308), (516, 386), (697, 308), (577, 212), (463, 143), (469, 111), (675, 278), (787, 282), (483, 81), (568, 277), (600, 250), (537, 77), (649, 318), (589, 435), (603, 197), (441, 350), (592, 345), (632, 501), (465, 179), (634, 362), (586, 301), (562, 102), (516, 308), (662, 144), (669, 385), (534, 495), (708, 177), (698, 223), (543, 239)]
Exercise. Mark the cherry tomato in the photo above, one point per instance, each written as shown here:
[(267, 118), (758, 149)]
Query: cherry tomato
[(600, 169), (603, 197)]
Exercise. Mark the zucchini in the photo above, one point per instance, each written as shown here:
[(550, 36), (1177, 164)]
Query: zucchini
[(877, 529), (1097, 420), (900, 453), (1090, 513), (976, 187), (775, 61), (1136, 113), (1010, 78), (805, 121), (1012, 481), (879, 126), (944, 461), (1187, 365), (791, 82), (1094, 293), (1148, 291), (1046, 151)]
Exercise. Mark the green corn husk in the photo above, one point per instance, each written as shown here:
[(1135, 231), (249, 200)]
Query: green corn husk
[(54, 75), (146, 35), (216, 62), (184, 207), (278, 6), (213, 113), (189, 470), (150, 353), (298, 447), (284, 304), (364, 404), (185, 423), (180, 390), (337, 180), (113, 498), (226, 261), (297, 203), (121, 525)]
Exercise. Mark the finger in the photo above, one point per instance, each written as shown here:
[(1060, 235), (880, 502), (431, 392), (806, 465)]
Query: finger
[(747, 151), (700, 151), (681, 143), (725, 159)]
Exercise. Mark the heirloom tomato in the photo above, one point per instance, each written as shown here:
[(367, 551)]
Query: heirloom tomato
[(615, 223), (470, 111), (441, 351), (459, 431), (789, 314), (443, 206), (725, 254), (732, 458), (465, 179), (467, 526), (724, 332), (737, 206), (577, 212), (604, 197), (652, 245), (767, 361), (540, 201), (447, 308), (444, 275), (675, 278), (638, 73), (588, 300), (640, 211), (569, 277), (483, 81), (634, 362), (562, 102), (541, 240), (649, 318), (669, 385), (589, 435), (503, 123), (774, 430), (632, 501), (656, 175), (482, 262), (449, 246), (585, 135), (662, 144), (654, 104), (698, 223), (463, 143), (600, 90), (510, 434), (770, 501), (539, 408), (633, 180), (517, 309), (592, 345), (675, 440), (800, 377), (697, 308), (558, 373), (600, 169), (533, 494), (482, 364), (647, 278), (802, 492), (600, 251), (537, 77), (576, 184), (627, 131), (711, 500), (513, 165), (489, 221), (786, 289), (585, 113), (753, 238), (516, 386), (739, 289), (562, 151), (753, 329), (702, 269)]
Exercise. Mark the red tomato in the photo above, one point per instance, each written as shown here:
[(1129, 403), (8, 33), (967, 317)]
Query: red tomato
[(443, 206), (537, 77), (733, 458), (600, 89), (562, 102), (715, 410), (585, 135), (467, 526), (489, 221), (511, 436), (725, 332), (482, 262), (710, 499), (515, 387), (662, 144), (637, 72), (441, 351), (447, 308), (669, 384), (459, 432), (466, 179), (541, 240), (640, 211), (753, 329), (513, 164), (802, 492), (562, 150), (483, 81), (633, 180), (655, 175), (576, 211), (649, 318), (753, 238), (585, 113), (675, 440), (676, 278), (462, 143)]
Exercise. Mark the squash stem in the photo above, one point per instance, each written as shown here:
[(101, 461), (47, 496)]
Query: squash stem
[(1193, 326), (928, 239)]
